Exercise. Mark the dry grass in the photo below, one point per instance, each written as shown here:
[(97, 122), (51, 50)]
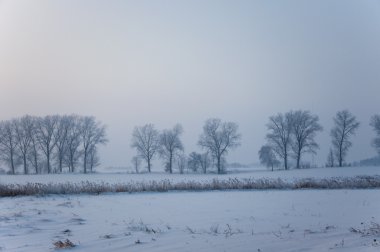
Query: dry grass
[(358, 182), (63, 244), (371, 229)]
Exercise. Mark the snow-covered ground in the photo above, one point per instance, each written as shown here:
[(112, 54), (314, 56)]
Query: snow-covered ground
[(255, 173), (261, 220), (305, 220)]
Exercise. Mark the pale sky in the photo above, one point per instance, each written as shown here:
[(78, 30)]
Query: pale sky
[(164, 62)]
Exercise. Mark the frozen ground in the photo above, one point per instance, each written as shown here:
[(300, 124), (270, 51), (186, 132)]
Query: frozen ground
[(236, 173), (289, 220), (304, 220)]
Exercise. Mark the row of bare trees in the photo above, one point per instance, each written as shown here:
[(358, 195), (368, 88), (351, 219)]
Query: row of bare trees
[(346, 126), (52, 143), (293, 134), (217, 139)]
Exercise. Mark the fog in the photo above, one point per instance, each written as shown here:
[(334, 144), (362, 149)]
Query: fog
[(165, 62)]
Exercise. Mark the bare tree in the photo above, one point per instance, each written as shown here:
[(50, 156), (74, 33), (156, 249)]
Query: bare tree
[(205, 161), (73, 142), (267, 157), (93, 157), (92, 133), (136, 162), (193, 162), (304, 129), (25, 139), (330, 159), (198, 161), (61, 139), (8, 144), (375, 123), (218, 138), (46, 128), (345, 126), (34, 154), (181, 162), (23, 131), (145, 140), (170, 145), (279, 137)]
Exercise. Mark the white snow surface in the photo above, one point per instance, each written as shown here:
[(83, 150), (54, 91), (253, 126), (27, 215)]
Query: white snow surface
[(303, 220), (253, 220)]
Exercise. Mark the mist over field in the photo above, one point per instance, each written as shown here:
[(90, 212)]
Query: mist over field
[(129, 63)]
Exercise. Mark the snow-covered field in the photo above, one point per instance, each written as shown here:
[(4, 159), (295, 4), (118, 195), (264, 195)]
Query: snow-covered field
[(261, 220), (307, 220), (255, 173)]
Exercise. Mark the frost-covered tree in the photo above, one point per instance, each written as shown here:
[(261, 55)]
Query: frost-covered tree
[(92, 133), (218, 138), (330, 159), (170, 145), (199, 162), (24, 130), (61, 139), (8, 144), (268, 157), (375, 123), (34, 156), (193, 161), (136, 162), (37, 141), (46, 127), (93, 157), (345, 126), (279, 136), (73, 139), (181, 162), (146, 141), (304, 129), (205, 161)]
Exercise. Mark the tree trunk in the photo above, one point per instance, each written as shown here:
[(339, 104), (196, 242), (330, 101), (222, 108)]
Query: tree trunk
[(218, 164), (12, 163), (72, 167), (85, 162), (35, 161), (340, 150), (71, 162), (286, 159), (25, 168), (171, 162), (148, 164), (298, 158), (48, 161), (60, 164)]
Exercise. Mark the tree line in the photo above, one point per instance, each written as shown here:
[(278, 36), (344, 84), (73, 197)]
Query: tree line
[(69, 143), (292, 134), (51, 144), (217, 139)]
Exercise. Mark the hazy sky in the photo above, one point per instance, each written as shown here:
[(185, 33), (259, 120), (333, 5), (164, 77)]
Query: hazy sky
[(133, 62)]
